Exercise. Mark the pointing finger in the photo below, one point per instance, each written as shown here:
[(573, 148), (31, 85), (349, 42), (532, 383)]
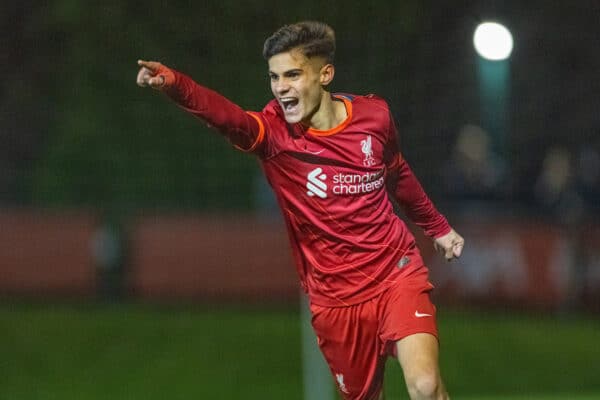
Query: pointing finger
[(155, 75), (153, 66)]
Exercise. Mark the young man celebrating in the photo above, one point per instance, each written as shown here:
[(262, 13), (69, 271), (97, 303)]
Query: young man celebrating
[(334, 165)]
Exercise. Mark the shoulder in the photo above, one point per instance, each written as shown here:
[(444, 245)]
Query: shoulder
[(273, 109), (370, 102), (275, 127), (369, 107), (374, 101), (271, 116)]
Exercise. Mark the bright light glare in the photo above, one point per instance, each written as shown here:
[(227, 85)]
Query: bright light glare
[(493, 41)]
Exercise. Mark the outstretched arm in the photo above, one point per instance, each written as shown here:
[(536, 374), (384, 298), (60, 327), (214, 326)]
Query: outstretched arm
[(244, 129)]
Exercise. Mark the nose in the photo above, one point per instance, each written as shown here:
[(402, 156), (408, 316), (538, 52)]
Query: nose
[(282, 86)]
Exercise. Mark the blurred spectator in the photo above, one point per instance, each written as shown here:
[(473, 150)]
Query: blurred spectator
[(555, 190), (474, 171), (587, 177), (107, 247)]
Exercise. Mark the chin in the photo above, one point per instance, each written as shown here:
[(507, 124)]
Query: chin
[(293, 119)]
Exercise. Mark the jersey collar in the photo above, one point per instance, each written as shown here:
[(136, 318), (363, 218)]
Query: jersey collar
[(341, 126)]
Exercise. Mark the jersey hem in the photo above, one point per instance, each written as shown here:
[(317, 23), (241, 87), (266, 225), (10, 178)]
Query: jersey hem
[(393, 278)]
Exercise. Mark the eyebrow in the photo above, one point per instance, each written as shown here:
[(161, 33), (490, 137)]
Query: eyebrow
[(288, 72)]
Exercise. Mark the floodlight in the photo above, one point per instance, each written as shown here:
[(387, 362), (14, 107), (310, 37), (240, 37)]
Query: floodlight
[(493, 41)]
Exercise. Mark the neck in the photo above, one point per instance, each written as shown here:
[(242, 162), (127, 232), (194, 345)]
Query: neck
[(329, 114)]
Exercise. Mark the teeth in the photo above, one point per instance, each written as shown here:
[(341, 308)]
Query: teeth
[(289, 103)]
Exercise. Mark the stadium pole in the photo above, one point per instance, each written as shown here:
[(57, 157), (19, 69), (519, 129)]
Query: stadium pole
[(317, 382)]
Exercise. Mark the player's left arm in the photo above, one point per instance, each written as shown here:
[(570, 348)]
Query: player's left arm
[(403, 185)]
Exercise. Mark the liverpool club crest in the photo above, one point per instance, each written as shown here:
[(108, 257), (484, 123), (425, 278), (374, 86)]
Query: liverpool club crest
[(367, 150)]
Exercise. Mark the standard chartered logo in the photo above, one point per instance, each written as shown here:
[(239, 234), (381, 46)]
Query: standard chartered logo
[(316, 183), (343, 184)]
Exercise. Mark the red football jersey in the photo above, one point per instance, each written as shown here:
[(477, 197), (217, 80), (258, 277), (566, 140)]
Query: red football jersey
[(333, 188)]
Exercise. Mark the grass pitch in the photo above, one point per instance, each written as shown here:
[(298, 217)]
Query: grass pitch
[(141, 352)]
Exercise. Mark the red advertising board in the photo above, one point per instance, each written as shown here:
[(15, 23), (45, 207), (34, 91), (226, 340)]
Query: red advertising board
[(209, 257), (44, 253), (527, 264)]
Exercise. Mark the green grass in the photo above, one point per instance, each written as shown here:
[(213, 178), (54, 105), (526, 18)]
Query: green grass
[(518, 356), (142, 352)]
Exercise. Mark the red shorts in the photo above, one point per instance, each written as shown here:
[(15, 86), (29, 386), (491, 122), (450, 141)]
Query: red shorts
[(356, 340)]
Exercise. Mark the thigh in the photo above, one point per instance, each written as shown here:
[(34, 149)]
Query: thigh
[(348, 339), (418, 355)]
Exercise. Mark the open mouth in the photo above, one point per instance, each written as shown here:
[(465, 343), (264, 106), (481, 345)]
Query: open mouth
[(289, 104)]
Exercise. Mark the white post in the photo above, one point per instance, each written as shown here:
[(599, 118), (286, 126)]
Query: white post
[(315, 372)]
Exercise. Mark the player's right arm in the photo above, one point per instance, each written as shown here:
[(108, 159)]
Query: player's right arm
[(246, 130)]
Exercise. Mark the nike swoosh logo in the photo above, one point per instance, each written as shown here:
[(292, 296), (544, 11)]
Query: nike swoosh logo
[(421, 315)]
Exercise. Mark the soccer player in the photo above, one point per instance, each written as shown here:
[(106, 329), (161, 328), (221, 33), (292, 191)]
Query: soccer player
[(333, 162)]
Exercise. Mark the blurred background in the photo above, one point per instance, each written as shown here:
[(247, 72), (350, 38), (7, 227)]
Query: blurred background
[(142, 257)]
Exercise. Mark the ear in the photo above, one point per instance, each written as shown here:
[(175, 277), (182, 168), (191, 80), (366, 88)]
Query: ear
[(326, 74)]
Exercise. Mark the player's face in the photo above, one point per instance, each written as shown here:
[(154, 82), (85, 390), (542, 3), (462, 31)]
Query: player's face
[(297, 84)]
